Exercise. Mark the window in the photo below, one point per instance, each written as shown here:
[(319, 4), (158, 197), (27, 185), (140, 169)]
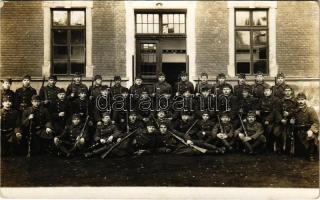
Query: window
[(161, 23), (251, 41), (68, 41)]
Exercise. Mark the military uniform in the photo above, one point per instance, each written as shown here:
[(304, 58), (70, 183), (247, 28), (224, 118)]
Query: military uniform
[(23, 97), (200, 85), (49, 93), (229, 103), (183, 86), (162, 88), (7, 93), (145, 141), (205, 104), (228, 130), (137, 90), (166, 143), (239, 88), (258, 89), (59, 121), (247, 104)]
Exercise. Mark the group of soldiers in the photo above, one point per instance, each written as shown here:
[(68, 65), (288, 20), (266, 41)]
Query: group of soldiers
[(181, 119)]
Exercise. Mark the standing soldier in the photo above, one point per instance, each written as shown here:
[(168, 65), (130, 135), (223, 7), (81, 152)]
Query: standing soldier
[(220, 83), (48, 94), (95, 88), (183, 85), (120, 114), (74, 137), (23, 94), (102, 104), (60, 112), (247, 102), (268, 110), (117, 88), (6, 91), (81, 105), (137, 88), (203, 83), (306, 125), (258, 86), (37, 127), (74, 88), (205, 103), (10, 131), (162, 86), (241, 85), (143, 107), (251, 135), (280, 84)]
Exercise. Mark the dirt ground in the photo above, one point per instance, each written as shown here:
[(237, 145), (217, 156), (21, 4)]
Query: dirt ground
[(233, 170)]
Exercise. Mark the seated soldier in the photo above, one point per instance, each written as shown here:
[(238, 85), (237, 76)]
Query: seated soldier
[(104, 137), (203, 82), (205, 102), (223, 133), (74, 137), (145, 142), (163, 117), (143, 107), (251, 135), (306, 130), (37, 126), (10, 132), (166, 142), (258, 86), (182, 125), (246, 102), (238, 89)]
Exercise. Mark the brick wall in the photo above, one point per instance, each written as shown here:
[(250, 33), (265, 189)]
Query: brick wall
[(298, 38), (21, 38), (108, 38), (211, 37)]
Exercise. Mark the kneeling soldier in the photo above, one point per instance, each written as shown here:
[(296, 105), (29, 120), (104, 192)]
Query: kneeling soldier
[(306, 125), (73, 138), (10, 132), (167, 143), (146, 140), (251, 135)]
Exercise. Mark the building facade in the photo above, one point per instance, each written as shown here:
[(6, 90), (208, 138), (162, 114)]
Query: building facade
[(143, 38)]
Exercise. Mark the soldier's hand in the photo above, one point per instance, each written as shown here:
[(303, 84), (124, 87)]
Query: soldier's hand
[(91, 97), (81, 141), (177, 93), (258, 112), (118, 140), (241, 136), (284, 121), (103, 141), (90, 123), (247, 138), (219, 135), (197, 94), (153, 94), (121, 120), (46, 101), (99, 123), (48, 130), (72, 94), (31, 116), (189, 142), (18, 136), (145, 119), (292, 121), (81, 114), (56, 140), (309, 133), (285, 113), (110, 139), (266, 122), (224, 136), (61, 114)]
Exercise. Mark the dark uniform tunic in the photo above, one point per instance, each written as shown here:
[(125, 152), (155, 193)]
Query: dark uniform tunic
[(162, 88), (258, 89), (239, 88), (8, 93), (136, 90), (183, 86), (228, 103), (23, 97), (247, 104), (227, 128), (117, 89), (75, 88), (255, 131), (278, 90), (201, 85), (59, 122), (49, 93), (217, 88), (10, 123), (205, 104)]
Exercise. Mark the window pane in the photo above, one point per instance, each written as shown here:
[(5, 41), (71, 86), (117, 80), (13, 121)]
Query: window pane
[(156, 18), (156, 28), (165, 18), (170, 29), (60, 68), (144, 18), (77, 53), (243, 67), (139, 28), (165, 28), (150, 28), (150, 18), (182, 28), (145, 28), (77, 67), (242, 18), (60, 52), (60, 18), (259, 37), (60, 36), (242, 54), (176, 18), (170, 18), (182, 20), (242, 39), (259, 18), (77, 36), (260, 65), (138, 16), (176, 28), (259, 52), (77, 18)]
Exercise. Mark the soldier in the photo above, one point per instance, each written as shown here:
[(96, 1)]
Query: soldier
[(95, 88), (105, 135), (117, 88), (37, 127), (247, 102), (120, 114), (161, 87), (241, 85), (10, 131), (203, 82), (181, 126), (269, 116), (163, 117), (251, 135), (280, 84), (183, 85), (6, 91), (74, 88), (60, 111), (81, 105), (166, 142), (137, 88), (306, 131), (74, 137), (258, 86), (48, 94), (23, 94), (284, 131), (220, 83), (182, 103), (143, 107), (223, 133), (205, 102), (102, 104)]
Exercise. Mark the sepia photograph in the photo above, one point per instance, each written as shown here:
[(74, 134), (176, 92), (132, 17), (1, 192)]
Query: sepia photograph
[(159, 99)]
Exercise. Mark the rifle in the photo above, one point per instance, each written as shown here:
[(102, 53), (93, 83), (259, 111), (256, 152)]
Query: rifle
[(191, 127), (30, 138), (117, 144), (291, 135), (244, 129), (80, 136)]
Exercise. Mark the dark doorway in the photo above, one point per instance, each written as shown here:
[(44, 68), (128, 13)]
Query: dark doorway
[(172, 71)]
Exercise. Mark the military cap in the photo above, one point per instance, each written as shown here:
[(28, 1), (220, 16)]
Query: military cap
[(251, 113), (83, 90), (150, 123), (204, 74), (163, 124), (205, 113), (161, 74), (267, 86), (27, 77), (77, 74), (117, 78), (61, 90), (35, 98), (104, 87), (9, 80), (185, 112), (184, 73), (287, 87), (138, 77), (221, 75), (225, 114), (259, 73), (76, 115), (301, 95), (7, 98), (132, 113), (97, 77), (53, 77), (227, 86), (280, 75), (242, 75), (106, 114)]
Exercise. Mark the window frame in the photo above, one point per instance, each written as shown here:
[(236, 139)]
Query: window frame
[(68, 28), (160, 12), (251, 28)]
